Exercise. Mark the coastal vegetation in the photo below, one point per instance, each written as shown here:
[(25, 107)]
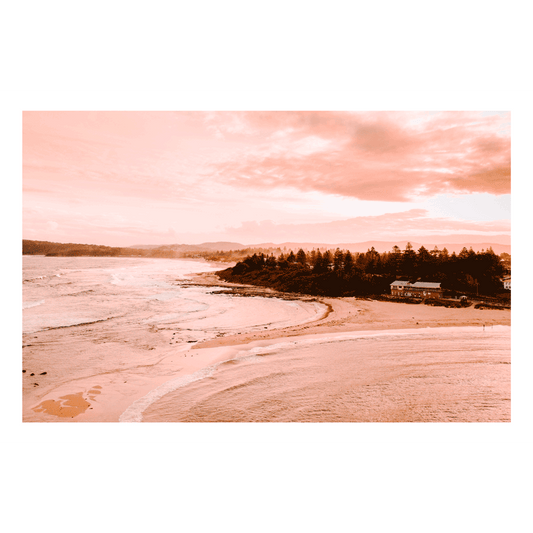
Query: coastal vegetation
[(52, 249), (342, 273), (325, 272), (232, 256)]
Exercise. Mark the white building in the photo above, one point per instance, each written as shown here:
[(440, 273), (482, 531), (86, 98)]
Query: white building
[(420, 289)]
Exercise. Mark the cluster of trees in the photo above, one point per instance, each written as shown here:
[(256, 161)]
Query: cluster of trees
[(341, 273), (73, 250), (505, 258), (232, 256), (69, 250)]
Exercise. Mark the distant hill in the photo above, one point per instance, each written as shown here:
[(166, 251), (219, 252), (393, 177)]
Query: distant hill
[(182, 250), (387, 246), (174, 247), (95, 250), (224, 246), (203, 247), (452, 244)]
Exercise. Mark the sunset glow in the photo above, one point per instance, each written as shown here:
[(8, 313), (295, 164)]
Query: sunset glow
[(126, 178)]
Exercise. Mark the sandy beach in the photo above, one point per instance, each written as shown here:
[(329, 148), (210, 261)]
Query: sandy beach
[(344, 383), (153, 362), (356, 314)]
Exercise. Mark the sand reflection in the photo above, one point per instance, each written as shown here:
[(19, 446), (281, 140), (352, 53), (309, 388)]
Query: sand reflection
[(67, 406)]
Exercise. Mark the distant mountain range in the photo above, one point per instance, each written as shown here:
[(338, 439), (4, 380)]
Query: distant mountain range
[(452, 244), (190, 250), (205, 246), (387, 246)]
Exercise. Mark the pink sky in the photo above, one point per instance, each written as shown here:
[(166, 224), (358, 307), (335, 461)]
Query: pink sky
[(125, 178)]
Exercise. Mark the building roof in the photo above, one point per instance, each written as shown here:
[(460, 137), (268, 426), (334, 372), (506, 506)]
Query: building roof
[(417, 285), (426, 285)]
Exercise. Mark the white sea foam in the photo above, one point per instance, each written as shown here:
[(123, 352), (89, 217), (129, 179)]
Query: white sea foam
[(150, 292), (27, 305), (28, 278), (135, 411), (73, 290), (163, 297)]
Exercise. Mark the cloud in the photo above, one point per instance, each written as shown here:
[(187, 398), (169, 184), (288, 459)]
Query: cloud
[(396, 156), (388, 226), (138, 174)]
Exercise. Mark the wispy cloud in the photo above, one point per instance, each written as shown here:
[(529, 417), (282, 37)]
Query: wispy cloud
[(374, 156), (388, 226), (189, 175)]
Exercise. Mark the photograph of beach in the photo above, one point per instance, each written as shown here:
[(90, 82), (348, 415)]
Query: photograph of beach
[(266, 266)]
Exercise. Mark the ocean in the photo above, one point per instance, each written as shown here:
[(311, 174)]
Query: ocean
[(59, 292), (459, 374), (125, 325), (111, 339)]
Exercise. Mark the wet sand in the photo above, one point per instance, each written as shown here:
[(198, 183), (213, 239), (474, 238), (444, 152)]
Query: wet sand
[(410, 375), (151, 362), (70, 405), (355, 314)]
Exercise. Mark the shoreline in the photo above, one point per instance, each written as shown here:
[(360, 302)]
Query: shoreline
[(108, 396), (347, 314), (214, 356)]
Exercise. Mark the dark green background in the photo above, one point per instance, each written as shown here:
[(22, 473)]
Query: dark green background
[(237, 42), (229, 43)]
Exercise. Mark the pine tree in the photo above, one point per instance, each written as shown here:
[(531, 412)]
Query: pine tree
[(322, 262), (348, 264), (271, 261), (327, 258), (301, 257), (372, 261), (338, 260)]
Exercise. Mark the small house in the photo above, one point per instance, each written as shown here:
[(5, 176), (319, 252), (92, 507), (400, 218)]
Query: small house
[(420, 289)]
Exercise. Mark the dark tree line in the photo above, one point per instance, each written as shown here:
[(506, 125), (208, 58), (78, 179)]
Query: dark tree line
[(52, 249), (230, 256), (342, 273), (72, 249)]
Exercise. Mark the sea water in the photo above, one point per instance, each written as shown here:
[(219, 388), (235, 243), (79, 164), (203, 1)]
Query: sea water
[(123, 328), (456, 374), (59, 292), (90, 318)]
